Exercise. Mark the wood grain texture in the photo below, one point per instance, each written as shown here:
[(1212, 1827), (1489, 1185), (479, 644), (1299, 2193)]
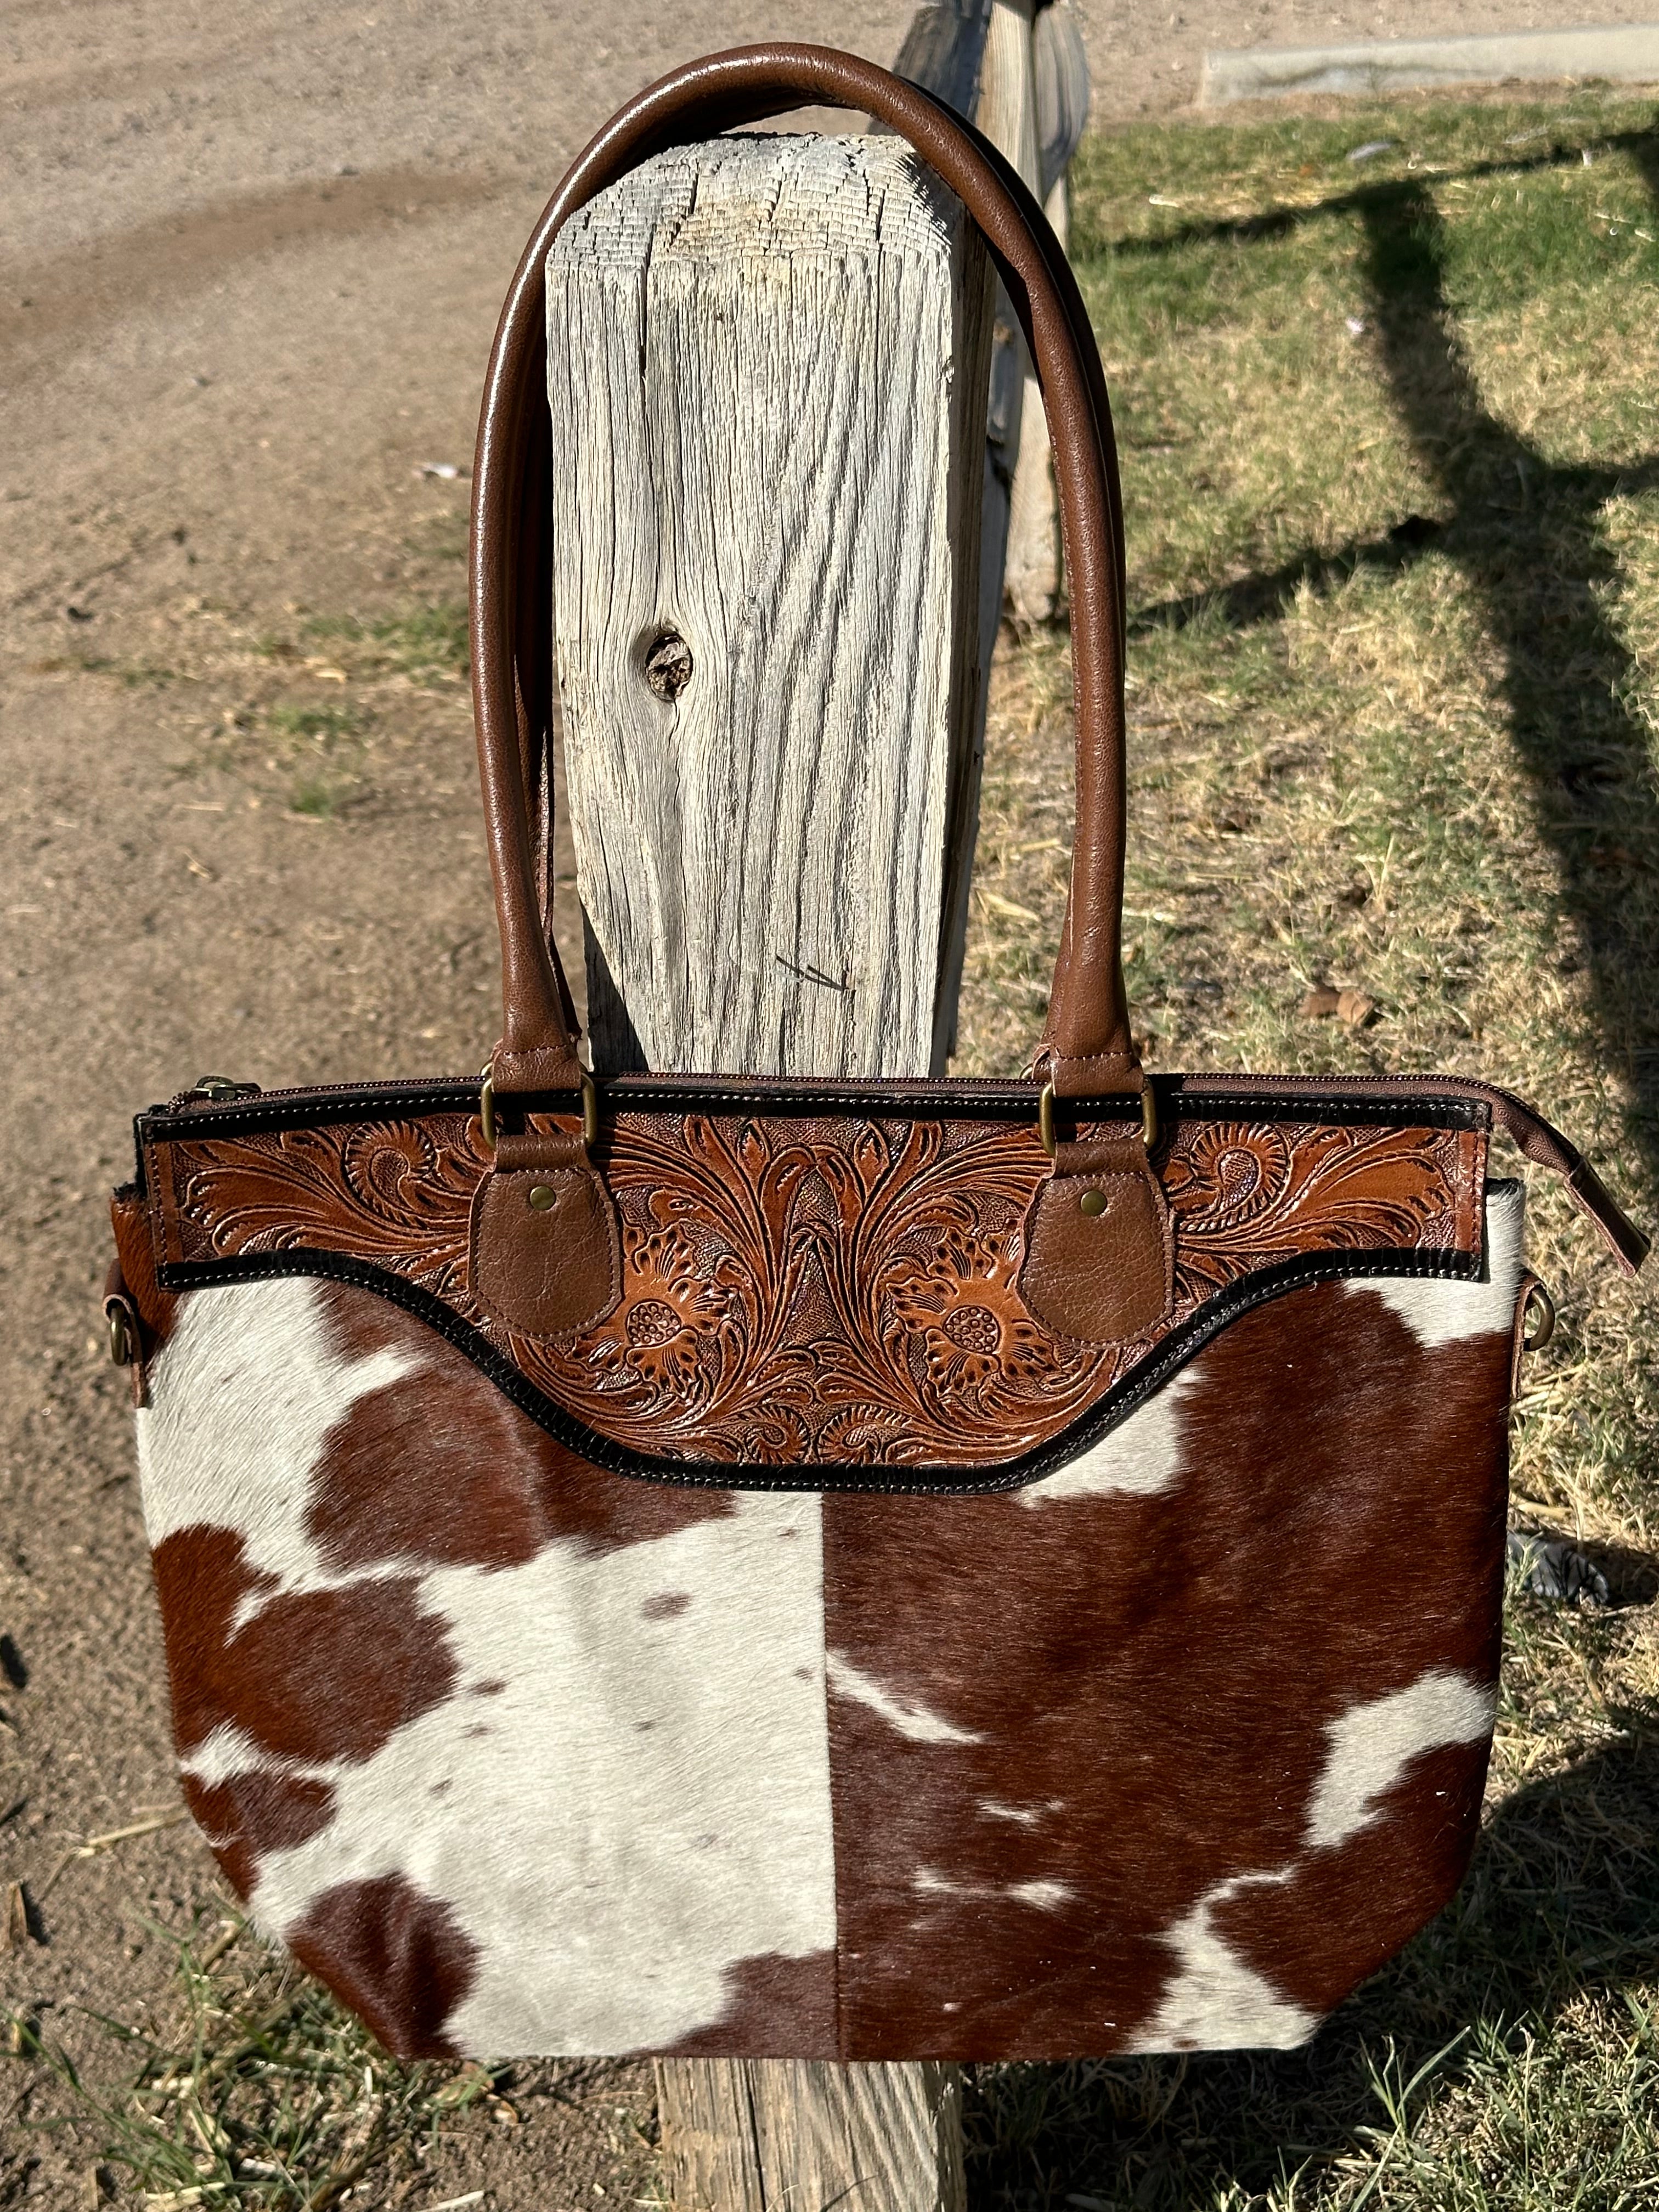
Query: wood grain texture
[(1060, 111), (1007, 91), (976, 55), (1028, 89), (1007, 114), (943, 50), (1031, 557), (1061, 91), (766, 377), (767, 362), (811, 2136)]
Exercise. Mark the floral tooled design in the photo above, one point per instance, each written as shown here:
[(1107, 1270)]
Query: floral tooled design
[(799, 1294), (386, 1167), (840, 1290), (666, 1328), (1236, 1173), (959, 1304), (386, 1192)]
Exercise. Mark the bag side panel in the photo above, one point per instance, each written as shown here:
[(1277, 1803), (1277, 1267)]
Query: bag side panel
[(1170, 1750), (518, 1756)]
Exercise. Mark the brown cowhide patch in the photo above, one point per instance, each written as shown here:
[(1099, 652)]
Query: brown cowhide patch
[(396, 1958), (253, 1812), (322, 1675), (452, 1474), (785, 2007), (1059, 1725)]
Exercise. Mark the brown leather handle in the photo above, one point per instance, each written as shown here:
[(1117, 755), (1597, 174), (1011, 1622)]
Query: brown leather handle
[(1087, 1043)]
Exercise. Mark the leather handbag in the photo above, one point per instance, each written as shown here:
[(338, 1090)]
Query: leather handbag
[(879, 1570)]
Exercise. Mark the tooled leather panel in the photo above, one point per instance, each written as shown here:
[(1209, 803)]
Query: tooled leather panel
[(830, 1290)]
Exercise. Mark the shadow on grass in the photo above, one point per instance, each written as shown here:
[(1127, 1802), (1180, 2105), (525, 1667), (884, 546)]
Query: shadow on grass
[(1642, 146), (1528, 535), (1561, 1902)]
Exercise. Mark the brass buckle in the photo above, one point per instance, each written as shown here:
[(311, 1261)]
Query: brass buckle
[(123, 1350), (487, 1108), (1148, 1116)]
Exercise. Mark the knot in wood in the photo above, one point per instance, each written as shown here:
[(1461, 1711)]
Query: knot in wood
[(668, 664)]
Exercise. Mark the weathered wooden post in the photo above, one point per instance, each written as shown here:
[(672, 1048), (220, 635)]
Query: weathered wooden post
[(1017, 70), (768, 361), (1058, 75)]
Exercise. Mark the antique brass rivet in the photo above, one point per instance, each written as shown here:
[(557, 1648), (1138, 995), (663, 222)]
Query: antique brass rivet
[(120, 1339), (542, 1195), (1092, 1202)]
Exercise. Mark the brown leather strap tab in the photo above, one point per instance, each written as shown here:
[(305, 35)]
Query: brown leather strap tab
[(1088, 1031), (541, 1068), (1099, 1262), (539, 1147), (544, 1256), (1546, 1146), (1091, 1074)]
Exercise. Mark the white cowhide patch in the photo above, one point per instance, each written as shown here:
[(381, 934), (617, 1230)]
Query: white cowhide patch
[(626, 1793), (1446, 1312), (1217, 2001), (1140, 1457)]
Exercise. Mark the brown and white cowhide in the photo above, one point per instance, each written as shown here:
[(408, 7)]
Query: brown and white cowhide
[(1165, 1751)]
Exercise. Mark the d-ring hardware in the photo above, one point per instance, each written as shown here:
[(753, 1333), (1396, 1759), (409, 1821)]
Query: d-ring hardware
[(487, 1108), (1148, 1116), (1537, 1295)]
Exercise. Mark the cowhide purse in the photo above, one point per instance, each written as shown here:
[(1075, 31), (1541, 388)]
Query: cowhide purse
[(892, 1570)]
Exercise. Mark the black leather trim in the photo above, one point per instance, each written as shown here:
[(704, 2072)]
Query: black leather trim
[(1179, 1098), (1253, 1289)]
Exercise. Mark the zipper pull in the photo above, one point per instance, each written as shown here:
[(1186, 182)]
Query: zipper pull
[(211, 1091)]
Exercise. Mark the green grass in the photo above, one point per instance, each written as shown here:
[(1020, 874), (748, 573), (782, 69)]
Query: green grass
[(1394, 695), (322, 724), (135, 674), (258, 2091), (423, 642), (325, 741)]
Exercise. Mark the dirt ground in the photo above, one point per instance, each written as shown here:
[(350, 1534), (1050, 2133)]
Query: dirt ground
[(251, 263)]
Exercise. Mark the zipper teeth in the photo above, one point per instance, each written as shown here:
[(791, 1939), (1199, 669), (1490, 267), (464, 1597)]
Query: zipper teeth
[(965, 1088), (1460, 1086)]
